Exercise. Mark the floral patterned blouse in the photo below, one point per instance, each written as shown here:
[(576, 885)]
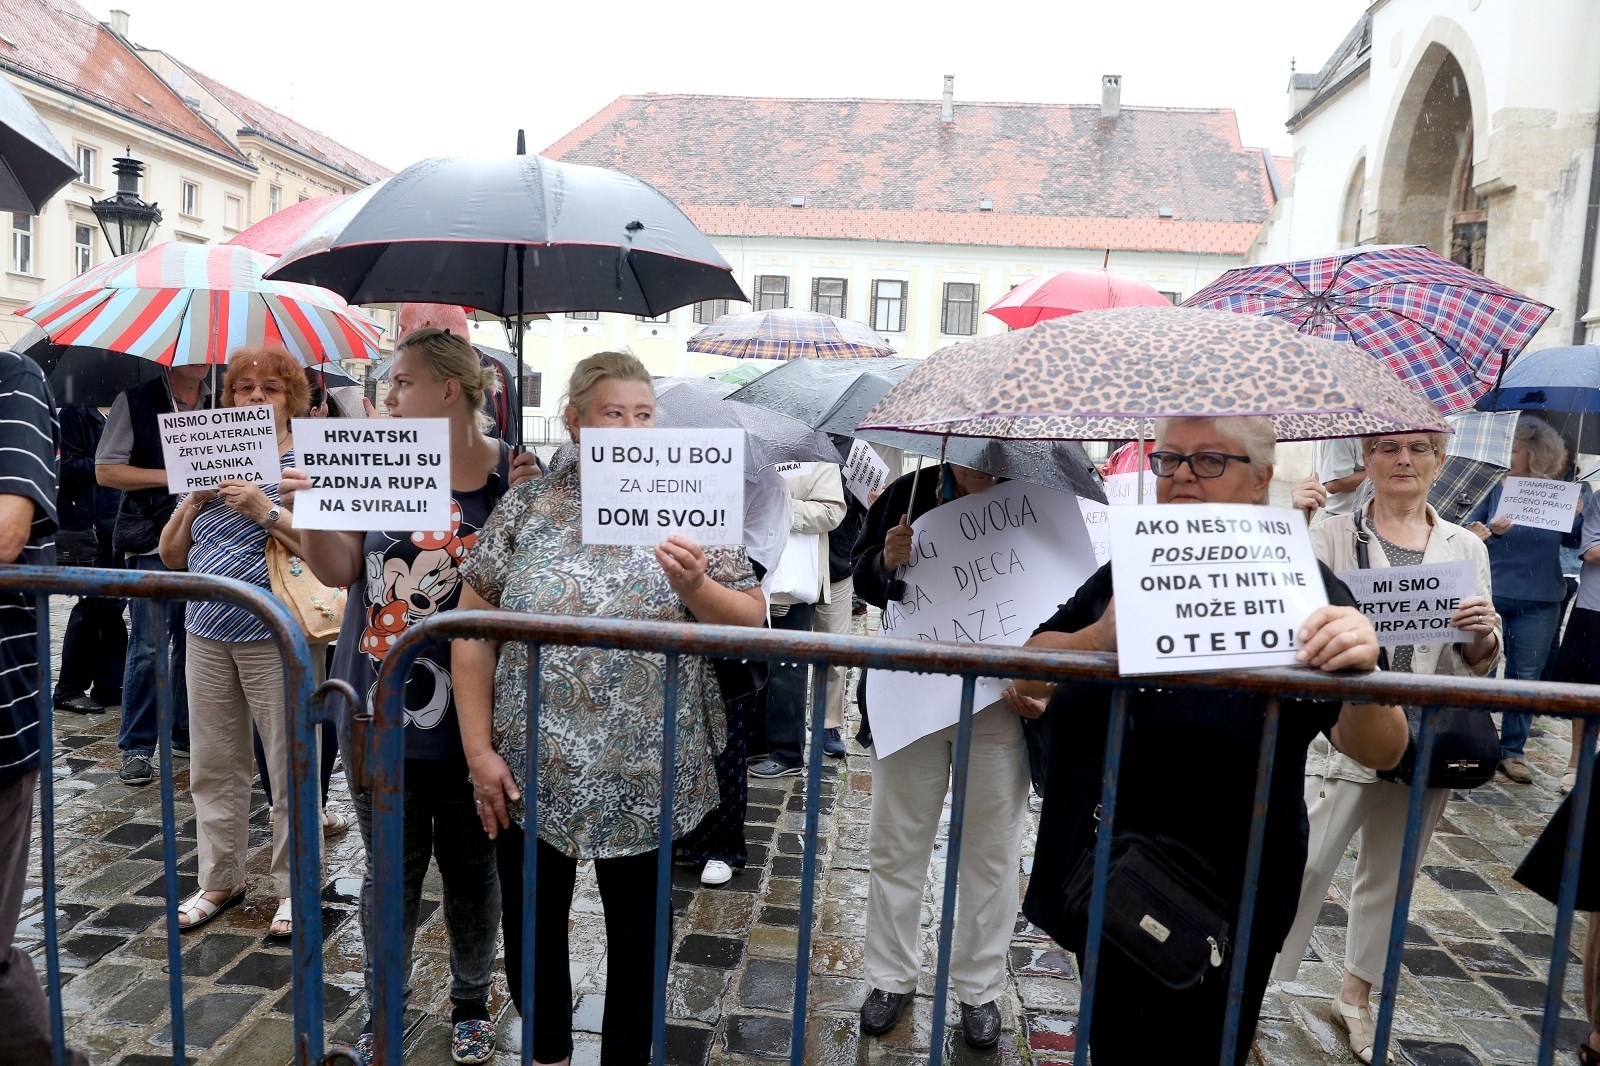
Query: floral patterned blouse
[(600, 717)]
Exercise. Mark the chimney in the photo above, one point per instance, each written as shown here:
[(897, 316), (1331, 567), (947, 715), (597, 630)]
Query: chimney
[(948, 115), (119, 23), (1110, 95)]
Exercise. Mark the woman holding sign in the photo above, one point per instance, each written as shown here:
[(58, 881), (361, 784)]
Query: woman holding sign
[(397, 578), (234, 672), (1346, 800), (600, 721), (1526, 563)]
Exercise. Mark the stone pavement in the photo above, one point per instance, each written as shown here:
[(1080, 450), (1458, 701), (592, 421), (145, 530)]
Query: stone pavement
[(1470, 993)]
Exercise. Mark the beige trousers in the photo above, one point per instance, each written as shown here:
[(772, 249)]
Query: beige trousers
[(1373, 813), (834, 617), (231, 685), (908, 790)]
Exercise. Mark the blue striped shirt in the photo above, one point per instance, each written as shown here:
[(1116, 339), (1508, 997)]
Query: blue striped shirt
[(226, 543)]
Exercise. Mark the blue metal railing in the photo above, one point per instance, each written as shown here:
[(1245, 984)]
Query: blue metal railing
[(383, 741), (305, 804)]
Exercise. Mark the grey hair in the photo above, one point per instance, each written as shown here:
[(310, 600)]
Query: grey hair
[(1253, 434), (1547, 454)]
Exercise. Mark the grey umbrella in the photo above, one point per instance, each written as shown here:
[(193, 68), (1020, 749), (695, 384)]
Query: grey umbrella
[(33, 165), (809, 389), (700, 403)]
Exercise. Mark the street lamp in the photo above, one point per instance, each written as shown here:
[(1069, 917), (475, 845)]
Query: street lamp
[(126, 219)]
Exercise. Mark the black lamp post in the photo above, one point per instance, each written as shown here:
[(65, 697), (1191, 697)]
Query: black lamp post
[(126, 219)]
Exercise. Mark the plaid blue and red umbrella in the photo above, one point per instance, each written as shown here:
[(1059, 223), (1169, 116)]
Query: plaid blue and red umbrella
[(1444, 329), (789, 333)]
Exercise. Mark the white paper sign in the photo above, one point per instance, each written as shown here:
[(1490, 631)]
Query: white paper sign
[(1097, 521), (204, 448), (1413, 604), (1123, 489), (985, 569), (1210, 586), (372, 473), (864, 472), (640, 486), (791, 470), (1540, 503)]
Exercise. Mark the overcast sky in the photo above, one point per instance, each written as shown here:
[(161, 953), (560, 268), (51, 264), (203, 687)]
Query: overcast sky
[(403, 80)]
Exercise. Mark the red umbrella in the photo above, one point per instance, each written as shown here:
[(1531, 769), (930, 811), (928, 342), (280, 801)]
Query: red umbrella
[(1071, 291), (274, 234)]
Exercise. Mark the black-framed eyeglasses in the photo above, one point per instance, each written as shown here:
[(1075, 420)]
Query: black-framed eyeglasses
[(1203, 464)]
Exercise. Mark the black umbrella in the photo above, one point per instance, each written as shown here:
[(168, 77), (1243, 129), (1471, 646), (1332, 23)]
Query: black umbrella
[(700, 403), (810, 389), (85, 377), (33, 165)]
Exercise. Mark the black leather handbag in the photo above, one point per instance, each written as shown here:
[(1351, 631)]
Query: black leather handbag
[(1161, 911), (77, 547)]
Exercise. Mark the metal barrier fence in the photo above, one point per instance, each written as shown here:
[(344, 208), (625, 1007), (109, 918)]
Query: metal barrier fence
[(305, 803), (379, 744)]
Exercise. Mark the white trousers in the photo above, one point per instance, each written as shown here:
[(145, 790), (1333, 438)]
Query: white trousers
[(1374, 813), (908, 791), (834, 617)]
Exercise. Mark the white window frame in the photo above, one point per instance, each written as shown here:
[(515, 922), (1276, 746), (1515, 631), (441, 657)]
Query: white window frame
[(708, 311), (90, 155), (188, 198), (82, 249), (23, 250), (232, 206), (274, 199), (881, 303)]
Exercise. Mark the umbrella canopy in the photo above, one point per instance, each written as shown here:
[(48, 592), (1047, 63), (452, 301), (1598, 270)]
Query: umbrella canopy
[(1550, 379), (743, 374), (512, 235), (33, 165), (770, 438), (1069, 292), (179, 304), (810, 389), (276, 233), (1443, 328), (85, 377), (1101, 375), (789, 333)]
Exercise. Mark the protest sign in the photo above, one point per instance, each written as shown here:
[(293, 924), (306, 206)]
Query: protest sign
[(390, 473), (1540, 503), (864, 472), (204, 448), (1210, 586), (791, 469), (1095, 518), (985, 569), (640, 486), (1413, 604), (1123, 489)]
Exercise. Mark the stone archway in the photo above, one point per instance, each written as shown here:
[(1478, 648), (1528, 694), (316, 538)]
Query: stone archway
[(1427, 166)]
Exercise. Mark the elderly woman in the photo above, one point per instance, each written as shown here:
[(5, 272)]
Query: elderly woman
[(235, 673), (908, 793), (398, 577), (600, 720), (1171, 738), (1397, 527), (1526, 564)]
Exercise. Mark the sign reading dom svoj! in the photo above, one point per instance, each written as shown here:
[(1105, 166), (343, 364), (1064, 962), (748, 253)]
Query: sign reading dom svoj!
[(204, 448), (1210, 586), (641, 486), (984, 569), (1413, 604), (387, 473)]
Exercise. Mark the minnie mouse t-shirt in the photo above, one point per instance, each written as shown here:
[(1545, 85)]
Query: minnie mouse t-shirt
[(409, 577)]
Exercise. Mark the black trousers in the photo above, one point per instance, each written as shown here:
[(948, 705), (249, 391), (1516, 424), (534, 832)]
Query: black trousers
[(628, 894)]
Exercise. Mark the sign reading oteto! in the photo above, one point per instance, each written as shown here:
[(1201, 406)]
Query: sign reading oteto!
[(640, 486)]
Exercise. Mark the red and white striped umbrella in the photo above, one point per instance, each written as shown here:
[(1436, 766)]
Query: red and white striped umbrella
[(180, 304)]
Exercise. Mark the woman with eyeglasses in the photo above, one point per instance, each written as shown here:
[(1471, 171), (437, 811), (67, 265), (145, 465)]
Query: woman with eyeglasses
[(1346, 801), (234, 671)]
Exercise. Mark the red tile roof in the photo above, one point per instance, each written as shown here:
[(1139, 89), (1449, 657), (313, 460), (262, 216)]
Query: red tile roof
[(280, 128), (1056, 176), (59, 44)]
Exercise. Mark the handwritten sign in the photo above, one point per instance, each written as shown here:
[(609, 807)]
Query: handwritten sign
[(640, 486), (864, 472), (1210, 586), (1413, 604), (985, 569), (391, 473), (1097, 521), (1123, 489), (1540, 503), (205, 448)]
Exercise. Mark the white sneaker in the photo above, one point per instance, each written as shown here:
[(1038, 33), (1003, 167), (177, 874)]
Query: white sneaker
[(716, 873)]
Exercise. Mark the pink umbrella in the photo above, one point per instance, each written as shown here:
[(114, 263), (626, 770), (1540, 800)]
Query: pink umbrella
[(274, 234), (1071, 291)]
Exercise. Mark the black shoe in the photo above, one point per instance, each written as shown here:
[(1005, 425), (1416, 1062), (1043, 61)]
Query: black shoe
[(81, 704), (112, 698), (980, 1025), (773, 767), (135, 769), (882, 1010), (833, 744)]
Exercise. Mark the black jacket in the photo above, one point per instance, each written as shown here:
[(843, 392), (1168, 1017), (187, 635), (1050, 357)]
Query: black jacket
[(872, 579), (81, 502)]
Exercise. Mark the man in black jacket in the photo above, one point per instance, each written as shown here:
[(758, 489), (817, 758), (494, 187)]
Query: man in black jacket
[(130, 459), (95, 647)]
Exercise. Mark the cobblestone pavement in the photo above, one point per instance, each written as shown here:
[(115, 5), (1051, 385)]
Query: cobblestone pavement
[(1471, 991)]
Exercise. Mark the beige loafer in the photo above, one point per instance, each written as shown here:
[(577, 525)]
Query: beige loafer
[(1360, 1028)]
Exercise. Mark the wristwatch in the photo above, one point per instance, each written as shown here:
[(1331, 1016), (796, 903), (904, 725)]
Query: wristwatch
[(271, 519)]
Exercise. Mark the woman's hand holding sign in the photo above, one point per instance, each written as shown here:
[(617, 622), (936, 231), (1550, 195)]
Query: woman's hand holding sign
[(1338, 638), (1477, 616)]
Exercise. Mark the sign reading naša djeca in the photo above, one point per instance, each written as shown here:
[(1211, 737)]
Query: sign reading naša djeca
[(640, 486), (388, 473), (202, 449)]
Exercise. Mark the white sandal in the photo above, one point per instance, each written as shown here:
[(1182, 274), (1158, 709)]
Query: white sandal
[(284, 914), (207, 909), (1357, 1022), (1569, 781)]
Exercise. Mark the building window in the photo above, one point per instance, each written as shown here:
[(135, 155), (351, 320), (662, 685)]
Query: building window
[(22, 243), (302, 198), (1173, 298), (274, 199), (82, 247), (772, 292), (960, 318), (584, 316), (232, 211), (889, 306), (189, 199), (828, 296), (665, 317), (87, 170), (708, 311)]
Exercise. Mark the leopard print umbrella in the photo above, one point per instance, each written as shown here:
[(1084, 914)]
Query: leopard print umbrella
[(1101, 375)]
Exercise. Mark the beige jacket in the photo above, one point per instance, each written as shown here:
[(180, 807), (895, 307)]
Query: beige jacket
[(1334, 542), (818, 496)]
